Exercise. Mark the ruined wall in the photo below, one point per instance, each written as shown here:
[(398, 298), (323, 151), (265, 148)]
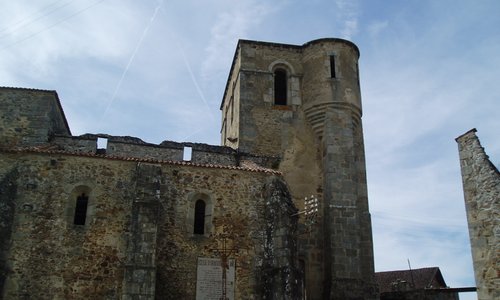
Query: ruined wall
[(239, 216), (138, 241), (51, 258), (151, 192), (481, 184), (131, 147), (30, 117), (75, 144)]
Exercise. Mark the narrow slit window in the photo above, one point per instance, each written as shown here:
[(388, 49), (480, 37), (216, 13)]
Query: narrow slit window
[(357, 72), (332, 66), (199, 217), (232, 110), (81, 209), (280, 87)]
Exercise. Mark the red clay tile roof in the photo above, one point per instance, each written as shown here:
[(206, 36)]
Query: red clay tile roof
[(49, 149), (423, 278)]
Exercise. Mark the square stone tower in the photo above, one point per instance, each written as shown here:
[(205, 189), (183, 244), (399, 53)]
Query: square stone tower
[(302, 103)]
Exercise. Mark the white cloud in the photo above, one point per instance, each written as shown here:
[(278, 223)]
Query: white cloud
[(426, 78), (77, 29), (235, 22), (376, 27), (424, 83), (348, 16)]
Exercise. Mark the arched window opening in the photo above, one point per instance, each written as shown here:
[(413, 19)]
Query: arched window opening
[(199, 217), (81, 209), (280, 87)]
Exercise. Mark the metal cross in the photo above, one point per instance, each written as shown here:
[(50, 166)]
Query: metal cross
[(224, 253)]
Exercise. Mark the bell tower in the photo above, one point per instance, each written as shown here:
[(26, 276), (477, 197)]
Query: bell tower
[(302, 103)]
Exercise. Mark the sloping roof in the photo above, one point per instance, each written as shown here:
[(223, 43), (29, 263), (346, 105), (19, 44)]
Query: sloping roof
[(423, 278)]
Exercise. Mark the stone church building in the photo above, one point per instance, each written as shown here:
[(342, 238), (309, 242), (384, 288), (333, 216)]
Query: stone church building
[(134, 220)]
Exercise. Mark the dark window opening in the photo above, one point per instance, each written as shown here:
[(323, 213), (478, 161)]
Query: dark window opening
[(280, 87), (232, 110), (199, 217), (81, 209), (332, 66), (357, 72)]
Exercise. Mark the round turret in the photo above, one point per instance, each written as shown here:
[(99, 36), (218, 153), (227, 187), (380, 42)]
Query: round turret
[(331, 79)]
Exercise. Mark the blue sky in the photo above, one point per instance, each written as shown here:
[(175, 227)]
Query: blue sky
[(157, 70)]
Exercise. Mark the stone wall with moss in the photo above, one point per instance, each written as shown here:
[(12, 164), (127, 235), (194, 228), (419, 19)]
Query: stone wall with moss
[(481, 184), (317, 133), (48, 256), (30, 117), (138, 240)]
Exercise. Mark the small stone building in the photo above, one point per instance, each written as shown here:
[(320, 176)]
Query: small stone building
[(134, 220), (416, 284), (481, 183)]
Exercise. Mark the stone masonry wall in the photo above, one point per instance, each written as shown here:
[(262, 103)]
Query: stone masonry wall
[(76, 144), (347, 220), (254, 97), (140, 266), (8, 191), (238, 221), (29, 117), (137, 241), (130, 147), (51, 258), (481, 184), (279, 271), (337, 251)]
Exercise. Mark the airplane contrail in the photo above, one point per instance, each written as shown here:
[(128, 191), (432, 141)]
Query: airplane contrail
[(139, 43)]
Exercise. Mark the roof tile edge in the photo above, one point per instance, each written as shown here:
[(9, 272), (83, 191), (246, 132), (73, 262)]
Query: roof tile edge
[(147, 160)]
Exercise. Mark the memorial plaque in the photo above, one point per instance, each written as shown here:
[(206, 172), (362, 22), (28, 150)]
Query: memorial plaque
[(209, 284)]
